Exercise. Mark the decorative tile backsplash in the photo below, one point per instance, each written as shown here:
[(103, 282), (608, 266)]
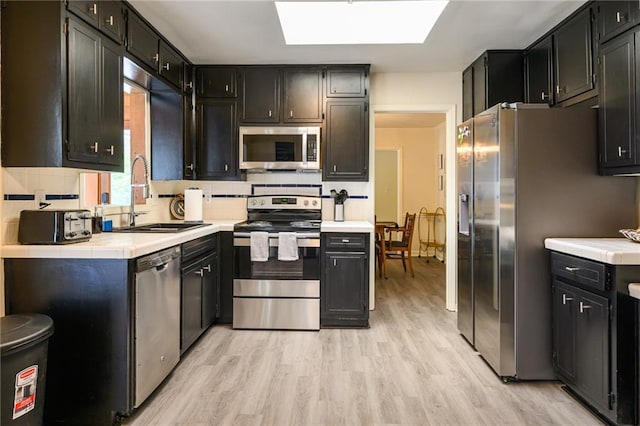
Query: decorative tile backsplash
[(222, 200)]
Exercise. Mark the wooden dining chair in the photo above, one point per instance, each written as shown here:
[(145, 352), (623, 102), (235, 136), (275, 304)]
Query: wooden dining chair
[(396, 249)]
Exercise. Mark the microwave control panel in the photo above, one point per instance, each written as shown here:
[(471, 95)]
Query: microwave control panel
[(312, 148)]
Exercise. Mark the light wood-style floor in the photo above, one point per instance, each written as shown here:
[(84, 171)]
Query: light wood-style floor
[(411, 367)]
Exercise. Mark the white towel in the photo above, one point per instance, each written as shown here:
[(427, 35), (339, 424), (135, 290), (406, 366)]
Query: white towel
[(287, 246), (259, 246)]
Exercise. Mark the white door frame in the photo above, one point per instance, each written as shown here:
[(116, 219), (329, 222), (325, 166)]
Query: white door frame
[(399, 181), (450, 185)]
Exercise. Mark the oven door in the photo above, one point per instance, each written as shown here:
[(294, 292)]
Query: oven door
[(307, 267)]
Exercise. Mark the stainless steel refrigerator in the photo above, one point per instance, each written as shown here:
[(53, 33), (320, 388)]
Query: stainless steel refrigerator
[(533, 175)]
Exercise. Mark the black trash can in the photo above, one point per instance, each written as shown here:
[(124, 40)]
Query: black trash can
[(24, 340)]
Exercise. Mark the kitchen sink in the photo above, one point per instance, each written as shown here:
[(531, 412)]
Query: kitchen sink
[(161, 227)]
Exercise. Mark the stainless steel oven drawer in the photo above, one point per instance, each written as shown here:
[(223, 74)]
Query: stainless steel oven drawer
[(276, 288), (278, 314)]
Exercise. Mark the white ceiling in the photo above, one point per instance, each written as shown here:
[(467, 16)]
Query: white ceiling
[(248, 32)]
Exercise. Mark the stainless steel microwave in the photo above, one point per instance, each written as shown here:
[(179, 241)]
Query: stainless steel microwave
[(279, 148)]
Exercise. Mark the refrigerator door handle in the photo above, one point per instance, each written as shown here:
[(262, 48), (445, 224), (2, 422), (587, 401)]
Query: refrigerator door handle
[(463, 214)]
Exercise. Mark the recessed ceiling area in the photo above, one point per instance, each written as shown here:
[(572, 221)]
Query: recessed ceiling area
[(410, 120), (248, 32)]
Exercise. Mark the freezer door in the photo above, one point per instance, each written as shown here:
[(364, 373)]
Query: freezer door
[(464, 171), (486, 236)]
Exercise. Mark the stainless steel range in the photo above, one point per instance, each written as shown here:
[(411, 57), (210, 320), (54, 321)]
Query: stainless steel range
[(277, 271)]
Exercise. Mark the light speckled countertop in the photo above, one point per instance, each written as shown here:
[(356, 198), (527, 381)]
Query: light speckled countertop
[(120, 245), (613, 251)]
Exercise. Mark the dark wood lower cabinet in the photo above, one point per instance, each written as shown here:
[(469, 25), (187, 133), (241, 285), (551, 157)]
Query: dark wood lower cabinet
[(594, 335), (344, 294)]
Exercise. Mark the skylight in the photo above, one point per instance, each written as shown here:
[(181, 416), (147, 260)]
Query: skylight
[(358, 22)]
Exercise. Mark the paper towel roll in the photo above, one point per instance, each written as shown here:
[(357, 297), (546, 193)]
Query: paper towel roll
[(193, 205)]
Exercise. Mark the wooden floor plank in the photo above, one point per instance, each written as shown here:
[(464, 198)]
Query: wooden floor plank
[(411, 367)]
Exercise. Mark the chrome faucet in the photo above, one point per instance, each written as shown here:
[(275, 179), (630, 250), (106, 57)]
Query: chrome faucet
[(144, 186)]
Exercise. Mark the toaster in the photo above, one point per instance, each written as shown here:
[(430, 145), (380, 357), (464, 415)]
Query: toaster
[(54, 226)]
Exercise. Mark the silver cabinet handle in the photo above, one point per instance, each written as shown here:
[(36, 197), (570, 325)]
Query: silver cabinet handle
[(226, 88), (544, 96), (291, 114), (618, 17), (584, 307), (94, 8), (566, 299), (335, 262), (94, 147), (269, 113), (110, 20), (189, 167), (156, 57), (334, 168), (199, 272), (110, 150), (621, 152), (571, 268), (226, 167), (207, 268), (345, 241), (166, 66), (190, 85)]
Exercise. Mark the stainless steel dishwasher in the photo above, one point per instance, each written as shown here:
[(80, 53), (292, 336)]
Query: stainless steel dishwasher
[(157, 320)]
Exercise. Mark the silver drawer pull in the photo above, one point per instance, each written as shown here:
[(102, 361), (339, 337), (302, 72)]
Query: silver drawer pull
[(345, 241), (207, 268), (571, 268), (199, 272), (584, 307), (566, 299)]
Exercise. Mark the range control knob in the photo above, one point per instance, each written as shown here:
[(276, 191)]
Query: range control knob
[(254, 202), (306, 202), (314, 202), (262, 202)]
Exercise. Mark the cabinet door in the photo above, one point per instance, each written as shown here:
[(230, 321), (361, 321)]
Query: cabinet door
[(87, 10), (216, 82), (346, 141), (615, 17), (302, 95), (573, 57), (171, 65), (142, 41), (480, 85), (592, 335), (344, 287), (346, 82), (84, 47), (166, 138), (467, 94), (538, 68), (112, 19), (618, 102), (210, 290), (112, 115), (565, 301), (217, 153), (260, 101), (188, 116), (191, 305)]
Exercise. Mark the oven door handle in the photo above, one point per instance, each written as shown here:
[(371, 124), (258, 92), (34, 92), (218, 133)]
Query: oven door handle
[(303, 241)]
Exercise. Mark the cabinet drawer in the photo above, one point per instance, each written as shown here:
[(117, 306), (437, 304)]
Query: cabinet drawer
[(200, 245), (344, 241), (586, 272)]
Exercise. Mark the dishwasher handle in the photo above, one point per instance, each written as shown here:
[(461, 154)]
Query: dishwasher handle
[(158, 260)]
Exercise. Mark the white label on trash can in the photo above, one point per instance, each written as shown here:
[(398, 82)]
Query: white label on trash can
[(25, 398)]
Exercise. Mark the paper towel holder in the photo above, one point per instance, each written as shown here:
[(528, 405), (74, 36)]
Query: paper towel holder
[(190, 203)]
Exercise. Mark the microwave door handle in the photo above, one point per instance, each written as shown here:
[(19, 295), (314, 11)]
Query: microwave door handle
[(304, 149)]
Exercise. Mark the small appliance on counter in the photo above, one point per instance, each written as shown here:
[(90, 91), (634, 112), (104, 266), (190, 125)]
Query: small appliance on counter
[(54, 226)]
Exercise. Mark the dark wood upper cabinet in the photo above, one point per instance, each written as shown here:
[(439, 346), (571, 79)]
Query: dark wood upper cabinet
[(142, 41), (70, 115), (346, 140), (302, 89), (217, 140), (615, 17), (167, 121), (573, 49), (347, 82), (216, 82), (619, 79), (105, 15), (538, 61), (171, 65), (496, 76), (260, 94)]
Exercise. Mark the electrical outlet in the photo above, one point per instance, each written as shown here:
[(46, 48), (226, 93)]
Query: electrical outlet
[(39, 198)]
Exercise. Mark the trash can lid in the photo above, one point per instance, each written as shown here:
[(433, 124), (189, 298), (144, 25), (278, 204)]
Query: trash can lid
[(22, 329)]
